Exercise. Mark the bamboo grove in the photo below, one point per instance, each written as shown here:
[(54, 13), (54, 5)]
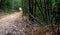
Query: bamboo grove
[(42, 12)]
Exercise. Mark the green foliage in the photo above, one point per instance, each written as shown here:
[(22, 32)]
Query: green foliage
[(25, 6), (43, 10), (10, 5)]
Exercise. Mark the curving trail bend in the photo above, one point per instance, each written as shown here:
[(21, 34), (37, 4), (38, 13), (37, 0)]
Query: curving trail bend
[(8, 20)]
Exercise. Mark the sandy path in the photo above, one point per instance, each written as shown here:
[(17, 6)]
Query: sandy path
[(8, 20), (14, 23)]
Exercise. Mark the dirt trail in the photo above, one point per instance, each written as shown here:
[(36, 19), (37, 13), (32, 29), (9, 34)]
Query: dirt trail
[(15, 24), (8, 20)]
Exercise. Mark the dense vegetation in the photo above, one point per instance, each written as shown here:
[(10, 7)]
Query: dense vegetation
[(10, 5), (43, 12)]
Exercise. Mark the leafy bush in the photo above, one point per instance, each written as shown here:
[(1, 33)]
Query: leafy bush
[(10, 5)]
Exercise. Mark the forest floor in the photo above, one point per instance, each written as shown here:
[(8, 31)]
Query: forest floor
[(14, 24), (17, 24)]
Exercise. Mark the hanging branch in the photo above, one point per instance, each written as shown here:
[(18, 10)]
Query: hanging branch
[(39, 6), (56, 12), (45, 12), (31, 10), (35, 7), (58, 17)]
